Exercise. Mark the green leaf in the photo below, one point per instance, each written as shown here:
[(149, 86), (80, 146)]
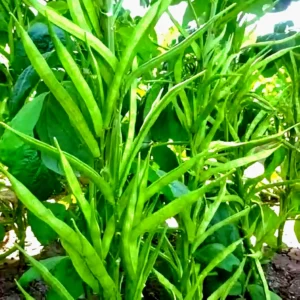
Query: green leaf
[(165, 158), (201, 9), (207, 253), (32, 274), (257, 292), (42, 231), (226, 234), (173, 129), (297, 229), (2, 232), (60, 7), (65, 272), (54, 122), (47, 276), (25, 83), (24, 122)]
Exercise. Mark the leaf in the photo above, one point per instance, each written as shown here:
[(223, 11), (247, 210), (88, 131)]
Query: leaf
[(24, 84), (227, 234), (25, 122), (297, 229), (173, 129), (173, 190), (267, 224), (32, 274), (47, 276), (165, 158), (42, 231), (60, 7), (54, 122), (2, 233), (201, 9), (65, 272), (207, 253), (272, 162), (257, 292)]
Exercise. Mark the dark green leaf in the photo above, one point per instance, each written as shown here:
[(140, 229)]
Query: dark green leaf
[(165, 158), (32, 274), (2, 232), (54, 122), (257, 292), (43, 232), (65, 272), (25, 122), (207, 253), (25, 83)]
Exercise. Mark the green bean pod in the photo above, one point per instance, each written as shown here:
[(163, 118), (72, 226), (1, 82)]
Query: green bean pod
[(127, 242), (79, 82), (77, 14), (223, 291), (157, 108), (25, 294), (74, 185), (45, 72), (84, 205), (176, 50), (81, 266), (173, 208), (93, 17), (77, 242), (213, 263), (128, 54), (75, 30), (52, 281)]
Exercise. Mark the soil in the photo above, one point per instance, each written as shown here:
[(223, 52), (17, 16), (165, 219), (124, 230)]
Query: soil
[(10, 270), (283, 274)]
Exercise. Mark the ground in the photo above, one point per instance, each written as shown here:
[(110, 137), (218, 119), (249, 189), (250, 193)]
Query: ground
[(283, 273)]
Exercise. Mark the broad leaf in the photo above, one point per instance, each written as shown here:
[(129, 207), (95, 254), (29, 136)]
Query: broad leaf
[(207, 253), (43, 232)]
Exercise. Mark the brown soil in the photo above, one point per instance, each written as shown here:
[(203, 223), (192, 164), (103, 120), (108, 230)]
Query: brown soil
[(283, 274), (11, 270)]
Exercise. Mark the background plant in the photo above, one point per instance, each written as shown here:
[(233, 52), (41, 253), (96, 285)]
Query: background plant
[(137, 133)]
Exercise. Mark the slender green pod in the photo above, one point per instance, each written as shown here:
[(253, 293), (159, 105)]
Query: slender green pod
[(132, 116), (75, 30), (157, 107), (47, 276), (39, 210), (74, 185), (127, 242), (223, 291), (77, 14), (238, 162), (96, 70), (201, 238), (93, 17), (176, 50), (95, 231), (173, 208), (213, 263), (25, 294), (77, 164), (80, 266), (45, 72), (79, 82), (127, 56)]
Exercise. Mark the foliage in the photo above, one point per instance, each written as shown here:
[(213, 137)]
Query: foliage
[(131, 134)]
